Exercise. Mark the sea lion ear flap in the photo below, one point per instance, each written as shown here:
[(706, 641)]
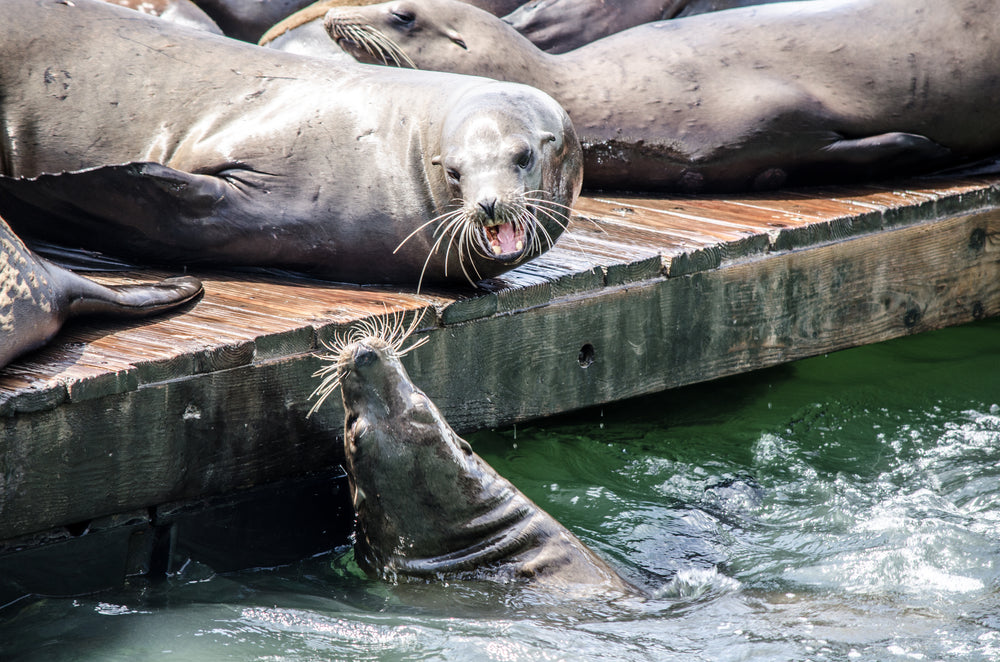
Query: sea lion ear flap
[(456, 38), (548, 137), (436, 160), (465, 446)]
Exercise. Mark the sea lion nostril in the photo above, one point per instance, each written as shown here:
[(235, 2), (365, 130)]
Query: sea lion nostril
[(489, 207), (364, 356)]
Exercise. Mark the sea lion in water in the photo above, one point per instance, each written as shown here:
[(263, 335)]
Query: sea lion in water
[(37, 296), (821, 90), (427, 506), (181, 12), (558, 26), (232, 154)]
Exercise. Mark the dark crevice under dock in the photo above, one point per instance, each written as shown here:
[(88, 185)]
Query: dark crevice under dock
[(133, 447)]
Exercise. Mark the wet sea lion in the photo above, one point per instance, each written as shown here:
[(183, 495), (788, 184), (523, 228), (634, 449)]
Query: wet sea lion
[(230, 154), (181, 12), (558, 26), (427, 506), (37, 296), (757, 97)]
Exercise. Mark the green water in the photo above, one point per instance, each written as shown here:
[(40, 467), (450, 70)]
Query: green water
[(841, 508)]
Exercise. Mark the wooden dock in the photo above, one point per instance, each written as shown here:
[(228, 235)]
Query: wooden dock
[(154, 439)]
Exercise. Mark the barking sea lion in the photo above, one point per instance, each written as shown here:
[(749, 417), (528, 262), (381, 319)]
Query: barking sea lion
[(158, 143)]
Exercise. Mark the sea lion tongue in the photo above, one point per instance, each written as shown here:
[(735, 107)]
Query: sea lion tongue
[(505, 239)]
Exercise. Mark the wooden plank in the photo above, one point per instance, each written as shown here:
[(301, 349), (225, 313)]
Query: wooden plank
[(235, 428)]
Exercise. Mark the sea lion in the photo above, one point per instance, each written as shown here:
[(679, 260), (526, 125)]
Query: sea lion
[(558, 26), (303, 32), (181, 12), (427, 506), (37, 297), (230, 154), (751, 98)]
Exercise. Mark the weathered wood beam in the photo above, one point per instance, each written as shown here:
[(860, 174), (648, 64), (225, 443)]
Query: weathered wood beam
[(243, 423)]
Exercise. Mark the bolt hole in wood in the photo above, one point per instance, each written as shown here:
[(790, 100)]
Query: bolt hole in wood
[(78, 529), (586, 356), (911, 318)]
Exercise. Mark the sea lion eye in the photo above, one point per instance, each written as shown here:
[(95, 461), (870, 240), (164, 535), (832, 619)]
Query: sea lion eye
[(453, 175), (524, 159), (402, 17)]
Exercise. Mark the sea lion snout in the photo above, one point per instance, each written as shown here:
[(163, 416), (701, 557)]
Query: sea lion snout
[(363, 356)]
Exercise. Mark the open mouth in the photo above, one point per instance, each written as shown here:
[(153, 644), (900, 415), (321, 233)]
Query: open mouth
[(505, 241)]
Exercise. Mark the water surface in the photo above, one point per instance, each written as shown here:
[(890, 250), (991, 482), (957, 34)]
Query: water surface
[(845, 507)]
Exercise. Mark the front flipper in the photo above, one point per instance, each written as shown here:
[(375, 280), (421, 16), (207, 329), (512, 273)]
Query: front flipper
[(886, 150), (142, 210)]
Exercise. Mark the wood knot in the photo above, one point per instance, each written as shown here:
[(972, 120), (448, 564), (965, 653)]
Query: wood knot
[(977, 239)]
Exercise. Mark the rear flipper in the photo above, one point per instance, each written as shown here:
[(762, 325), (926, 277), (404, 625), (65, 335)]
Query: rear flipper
[(86, 297)]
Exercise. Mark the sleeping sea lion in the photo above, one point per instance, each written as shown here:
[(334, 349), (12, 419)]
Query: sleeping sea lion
[(750, 98), (302, 32), (157, 143)]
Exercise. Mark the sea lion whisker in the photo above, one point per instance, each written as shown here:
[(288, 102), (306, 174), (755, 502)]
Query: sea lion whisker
[(392, 47), (532, 195), (420, 227), (389, 328), (445, 221), (552, 211), (530, 225), (469, 231), (370, 38), (556, 218), (356, 34), (449, 230)]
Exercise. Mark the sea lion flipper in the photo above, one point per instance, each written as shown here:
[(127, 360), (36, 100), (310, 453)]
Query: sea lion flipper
[(129, 205), (90, 298), (896, 148)]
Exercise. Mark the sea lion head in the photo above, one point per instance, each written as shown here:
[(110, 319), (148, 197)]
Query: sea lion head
[(513, 167), (443, 35), (413, 479)]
